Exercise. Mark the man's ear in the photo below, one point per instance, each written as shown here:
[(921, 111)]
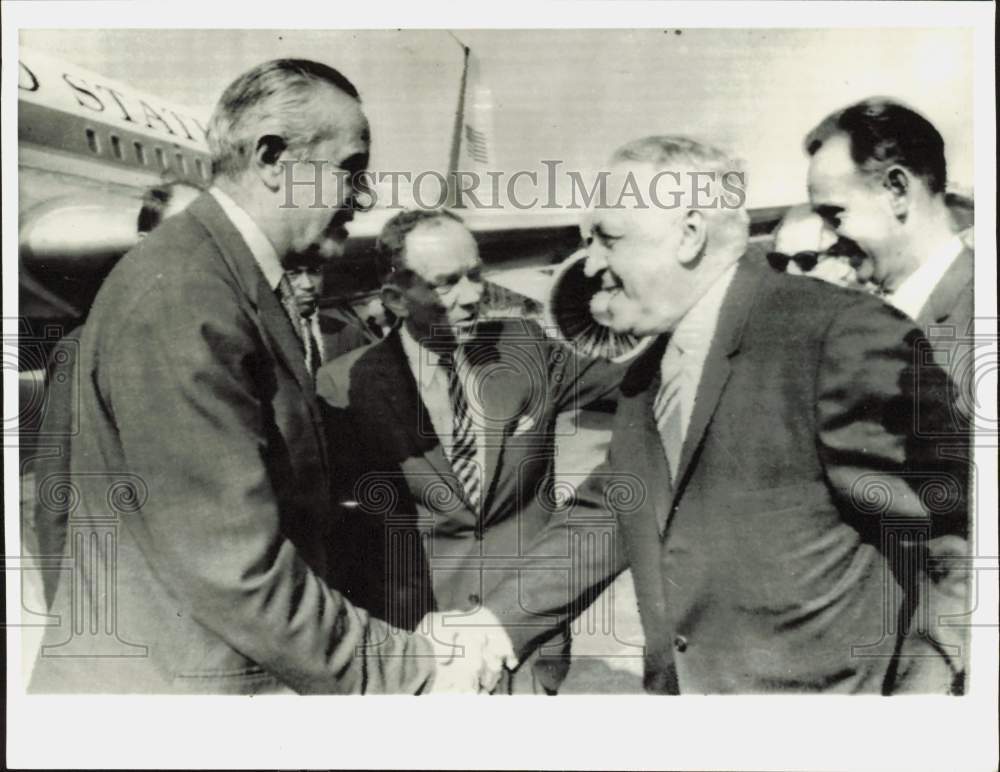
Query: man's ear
[(694, 232), (269, 151), (897, 182), (392, 298)]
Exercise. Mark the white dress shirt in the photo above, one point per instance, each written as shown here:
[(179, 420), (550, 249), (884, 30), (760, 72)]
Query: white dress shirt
[(432, 385), (688, 349), (912, 295)]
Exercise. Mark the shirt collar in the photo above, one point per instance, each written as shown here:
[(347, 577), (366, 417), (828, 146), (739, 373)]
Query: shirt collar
[(260, 245), (423, 361), (915, 290), (694, 333)]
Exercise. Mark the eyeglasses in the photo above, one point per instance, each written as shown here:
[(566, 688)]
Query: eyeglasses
[(806, 261)]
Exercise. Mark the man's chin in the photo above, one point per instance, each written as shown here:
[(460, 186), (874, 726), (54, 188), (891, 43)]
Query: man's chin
[(621, 321)]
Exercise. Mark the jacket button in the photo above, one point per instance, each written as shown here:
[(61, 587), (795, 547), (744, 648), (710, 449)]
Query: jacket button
[(474, 599), (681, 643)]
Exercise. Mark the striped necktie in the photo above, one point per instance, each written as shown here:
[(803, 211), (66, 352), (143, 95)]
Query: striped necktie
[(311, 345), (300, 324), (667, 408), (463, 448)]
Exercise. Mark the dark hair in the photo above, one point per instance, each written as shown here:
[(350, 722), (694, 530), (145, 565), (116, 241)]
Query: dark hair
[(155, 202), (273, 97), (391, 242), (883, 132)]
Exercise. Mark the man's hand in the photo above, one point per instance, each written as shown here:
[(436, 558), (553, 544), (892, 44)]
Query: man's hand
[(472, 650), (453, 673)]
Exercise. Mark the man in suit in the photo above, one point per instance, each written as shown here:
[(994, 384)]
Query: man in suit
[(450, 425), (335, 327), (764, 468), (877, 176), (199, 531)]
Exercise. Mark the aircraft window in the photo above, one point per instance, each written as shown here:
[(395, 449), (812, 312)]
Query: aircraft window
[(116, 147), (161, 159), (180, 163), (201, 168), (92, 142), (140, 153)]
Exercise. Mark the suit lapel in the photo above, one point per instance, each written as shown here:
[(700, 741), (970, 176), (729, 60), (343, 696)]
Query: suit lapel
[(244, 267), (502, 394), (715, 373), (397, 387), (287, 343), (273, 318), (635, 442), (956, 281)]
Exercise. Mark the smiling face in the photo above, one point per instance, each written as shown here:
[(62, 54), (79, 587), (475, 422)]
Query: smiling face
[(640, 253), (859, 209), (440, 291)]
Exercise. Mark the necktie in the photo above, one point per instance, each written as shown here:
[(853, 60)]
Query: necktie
[(311, 346), (667, 408), (463, 450), (301, 325)]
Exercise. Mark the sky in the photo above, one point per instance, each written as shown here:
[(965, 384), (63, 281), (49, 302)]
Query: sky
[(575, 95)]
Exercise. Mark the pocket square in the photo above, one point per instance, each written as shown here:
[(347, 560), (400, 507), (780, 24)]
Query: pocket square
[(524, 424)]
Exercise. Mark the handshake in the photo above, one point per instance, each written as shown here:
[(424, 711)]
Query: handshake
[(470, 649)]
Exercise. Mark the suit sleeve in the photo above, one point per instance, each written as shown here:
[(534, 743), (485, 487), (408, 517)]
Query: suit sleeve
[(185, 384), (892, 444), (566, 567), (579, 381)]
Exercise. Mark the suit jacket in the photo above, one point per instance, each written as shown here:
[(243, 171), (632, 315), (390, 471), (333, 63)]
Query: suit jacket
[(778, 561), (411, 543), (947, 319), (343, 331), (197, 540), (941, 615)]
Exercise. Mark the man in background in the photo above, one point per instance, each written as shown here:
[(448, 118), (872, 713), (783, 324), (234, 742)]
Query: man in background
[(803, 246), (877, 176), (449, 424)]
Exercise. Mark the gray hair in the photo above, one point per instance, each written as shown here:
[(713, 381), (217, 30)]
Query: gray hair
[(271, 99), (685, 155)]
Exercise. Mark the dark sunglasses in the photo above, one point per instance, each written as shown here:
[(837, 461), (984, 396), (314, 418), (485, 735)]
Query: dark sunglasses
[(806, 261)]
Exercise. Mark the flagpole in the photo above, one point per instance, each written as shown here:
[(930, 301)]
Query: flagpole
[(456, 134)]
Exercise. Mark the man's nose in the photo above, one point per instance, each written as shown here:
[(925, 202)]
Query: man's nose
[(827, 238), (303, 282), (470, 291), (597, 260)]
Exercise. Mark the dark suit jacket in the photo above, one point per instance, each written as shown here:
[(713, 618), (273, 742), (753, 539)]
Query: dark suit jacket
[(411, 543), (942, 615), (947, 320), (343, 331), (203, 482), (772, 565)]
